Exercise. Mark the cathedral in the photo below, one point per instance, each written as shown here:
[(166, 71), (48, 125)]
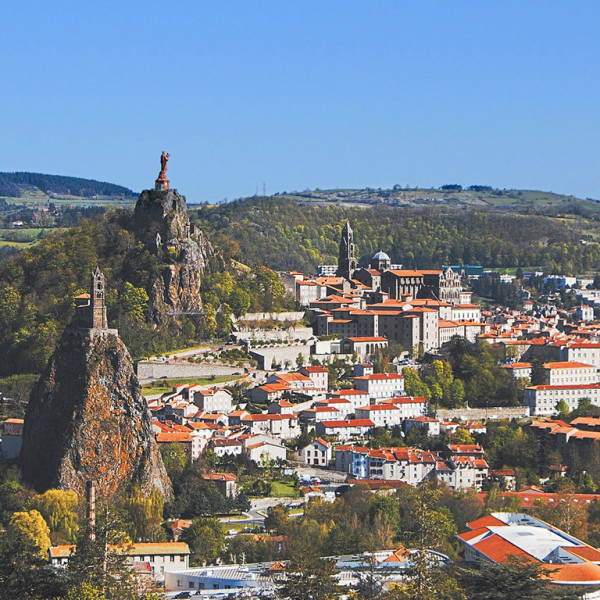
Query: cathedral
[(439, 284)]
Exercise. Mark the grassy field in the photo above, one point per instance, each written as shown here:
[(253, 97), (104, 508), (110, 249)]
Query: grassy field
[(23, 237), (283, 490), (160, 385), (38, 200)]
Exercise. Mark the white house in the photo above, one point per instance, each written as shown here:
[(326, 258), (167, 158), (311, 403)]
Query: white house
[(345, 429), (380, 385), (519, 370), (542, 399), (281, 426), (318, 375), (409, 406), (260, 450), (214, 400), (565, 373), (383, 415), (222, 447), (355, 397), (317, 453), (319, 413)]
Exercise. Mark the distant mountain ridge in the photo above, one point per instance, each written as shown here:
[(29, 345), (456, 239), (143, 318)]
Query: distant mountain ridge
[(22, 184), (452, 195)]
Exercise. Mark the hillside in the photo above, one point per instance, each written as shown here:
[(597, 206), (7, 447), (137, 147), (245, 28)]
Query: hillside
[(39, 187), (285, 234), (475, 196)]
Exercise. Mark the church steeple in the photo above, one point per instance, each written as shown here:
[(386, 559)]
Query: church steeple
[(97, 301), (347, 258)]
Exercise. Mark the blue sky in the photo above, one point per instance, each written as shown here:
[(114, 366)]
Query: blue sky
[(301, 95)]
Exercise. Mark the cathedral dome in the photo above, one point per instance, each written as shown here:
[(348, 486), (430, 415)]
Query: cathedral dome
[(381, 256)]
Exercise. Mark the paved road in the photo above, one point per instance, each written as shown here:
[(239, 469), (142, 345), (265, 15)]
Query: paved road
[(258, 511), (308, 472)]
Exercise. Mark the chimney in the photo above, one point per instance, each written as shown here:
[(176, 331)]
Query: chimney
[(91, 508)]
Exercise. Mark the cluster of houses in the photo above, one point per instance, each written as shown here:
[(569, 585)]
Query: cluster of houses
[(580, 432), (341, 419), (461, 467)]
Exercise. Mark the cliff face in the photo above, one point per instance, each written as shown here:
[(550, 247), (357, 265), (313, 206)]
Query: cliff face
[(162, 223), (87, 419)]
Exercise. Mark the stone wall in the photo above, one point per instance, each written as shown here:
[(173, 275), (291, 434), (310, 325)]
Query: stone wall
[(294, 333), (476, 414), (264, 316), (149, 370), (279, 354)]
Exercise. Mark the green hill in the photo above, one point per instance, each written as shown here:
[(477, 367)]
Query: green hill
[(36, 187), (286, 233)]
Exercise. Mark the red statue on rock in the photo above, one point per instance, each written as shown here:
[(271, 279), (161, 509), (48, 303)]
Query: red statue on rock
[(162, 183)]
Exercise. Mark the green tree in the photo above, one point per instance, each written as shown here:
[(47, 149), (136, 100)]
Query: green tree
[(133, 301), (456, 394), (562, 408), (413, 386), (24, 573), (309, 577), (32, 527), (239, 301), (144, 515), (277, 519), (206, 540), (175, 459), (85, 591), (100, 561), (424, 528), (60, 510)]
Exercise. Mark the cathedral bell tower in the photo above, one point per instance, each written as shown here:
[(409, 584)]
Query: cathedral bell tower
[(347, 259), (97, 301)]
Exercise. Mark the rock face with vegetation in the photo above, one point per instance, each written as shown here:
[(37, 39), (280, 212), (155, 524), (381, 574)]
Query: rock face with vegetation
[(162, 224), (87, 419)]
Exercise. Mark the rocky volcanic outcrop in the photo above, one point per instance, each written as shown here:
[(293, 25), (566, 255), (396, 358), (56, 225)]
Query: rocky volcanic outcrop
[(162, 223), (87, 419)]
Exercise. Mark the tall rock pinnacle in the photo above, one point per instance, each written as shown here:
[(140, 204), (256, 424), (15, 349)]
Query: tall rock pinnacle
[(86, 418), (162, 224)]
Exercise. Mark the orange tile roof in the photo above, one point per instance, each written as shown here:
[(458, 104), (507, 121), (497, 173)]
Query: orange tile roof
[(378, 376), (486, 521), (348, 423), (500, 550), (173, 437), (567, 365)]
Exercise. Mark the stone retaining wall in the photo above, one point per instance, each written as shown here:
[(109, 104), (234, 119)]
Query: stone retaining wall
[(477, 414), (150, 370)]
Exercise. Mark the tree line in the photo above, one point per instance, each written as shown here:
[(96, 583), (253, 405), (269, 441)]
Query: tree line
[(285, 235), (11, 185)]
